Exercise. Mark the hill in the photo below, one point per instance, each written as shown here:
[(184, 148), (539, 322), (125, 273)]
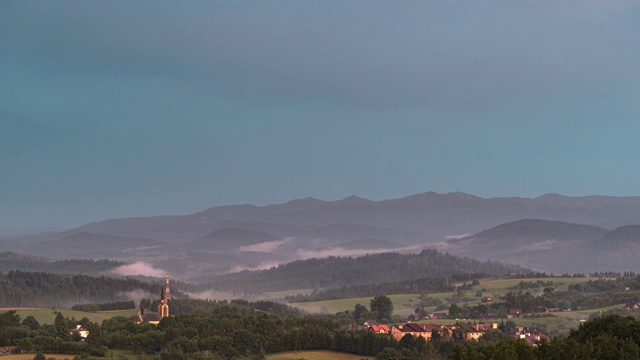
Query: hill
[(87, 245), (38, 289), (12, 261), (554, 246), (334, 271), (188, 245)]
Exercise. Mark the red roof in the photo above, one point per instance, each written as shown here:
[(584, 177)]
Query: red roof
[(380, 328)]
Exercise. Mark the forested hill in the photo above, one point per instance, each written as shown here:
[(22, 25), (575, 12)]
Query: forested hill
[(37, 289), (334, 271), (12, 261)]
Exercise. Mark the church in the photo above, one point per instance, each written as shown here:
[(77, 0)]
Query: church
[(148, 317)]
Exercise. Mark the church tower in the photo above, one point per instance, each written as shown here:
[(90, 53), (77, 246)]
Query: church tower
[(163, 305), (167, 293)]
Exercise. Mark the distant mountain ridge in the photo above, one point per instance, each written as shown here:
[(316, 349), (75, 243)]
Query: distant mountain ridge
[(554, 245), (228, 238)]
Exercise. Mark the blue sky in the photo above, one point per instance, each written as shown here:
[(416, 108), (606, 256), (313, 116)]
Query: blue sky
[(120, 108)]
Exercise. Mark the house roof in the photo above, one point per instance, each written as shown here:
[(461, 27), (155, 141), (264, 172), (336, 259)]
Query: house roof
[(371, 322), (431, 327), (410, 327), (515, 311), (380, 328)]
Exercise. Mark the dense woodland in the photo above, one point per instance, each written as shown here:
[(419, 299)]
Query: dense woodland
[(236, 330), (417, 286), (12, 261), (335, 272), (37, 289)]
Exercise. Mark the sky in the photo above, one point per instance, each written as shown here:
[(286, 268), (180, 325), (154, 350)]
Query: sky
[(137, 108)]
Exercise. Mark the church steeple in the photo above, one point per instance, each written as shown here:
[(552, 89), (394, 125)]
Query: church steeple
[(167, 293)]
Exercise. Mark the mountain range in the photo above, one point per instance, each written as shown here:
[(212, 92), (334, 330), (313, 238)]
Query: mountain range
[(560, 233)]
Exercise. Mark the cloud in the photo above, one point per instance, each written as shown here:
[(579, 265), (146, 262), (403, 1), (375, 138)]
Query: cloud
[(138, 294), (454, 237), (383, 54), (340, 251), (267, 247), (139, 268), (213, 295), (261, 266)]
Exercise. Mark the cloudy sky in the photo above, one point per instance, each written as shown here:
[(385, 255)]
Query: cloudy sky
[(123, 108)]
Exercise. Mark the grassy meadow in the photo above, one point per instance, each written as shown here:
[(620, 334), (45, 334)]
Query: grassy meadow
[(315, 355), (47, 316), (405, 304), (30, 357)]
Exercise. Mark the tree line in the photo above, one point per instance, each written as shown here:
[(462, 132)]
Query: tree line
[(38, 289), (335, 272), (13, 261), (241, 332)]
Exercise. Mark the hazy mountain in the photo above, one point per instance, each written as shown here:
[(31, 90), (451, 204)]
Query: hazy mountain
[(623, 236), (529, 232), (87, 245), (305, 228), (222, 240), (555, 246), (345, 271), (372, 244), (431, 215)]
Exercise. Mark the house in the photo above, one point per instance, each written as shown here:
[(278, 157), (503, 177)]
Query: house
[(486, 299), (514, 313), (428, 328), (531, 335), (631, 305), (440, 315), (398, 331), (491, 315), (380, 329), (475, 331), (82, 332), (370, 322)]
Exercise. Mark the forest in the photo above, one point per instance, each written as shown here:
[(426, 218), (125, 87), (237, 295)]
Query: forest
[(335, 272), (12, 261), (38, 289), (238, 330)]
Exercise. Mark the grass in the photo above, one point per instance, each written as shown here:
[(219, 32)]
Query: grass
[(30, 357), (405, 304), (47, 316), (315, 355)]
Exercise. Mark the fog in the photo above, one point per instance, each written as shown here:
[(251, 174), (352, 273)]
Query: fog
[(139, 268)]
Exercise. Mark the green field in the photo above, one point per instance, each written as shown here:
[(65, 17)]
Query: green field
[(47, 316), (30, 357), (405, 304), (315, 355)]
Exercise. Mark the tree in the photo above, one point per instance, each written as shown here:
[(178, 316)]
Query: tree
[(389, 354), (383, 305), (31, 322), (39, 356), (9, 318), (60, 324), (359, 311)]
